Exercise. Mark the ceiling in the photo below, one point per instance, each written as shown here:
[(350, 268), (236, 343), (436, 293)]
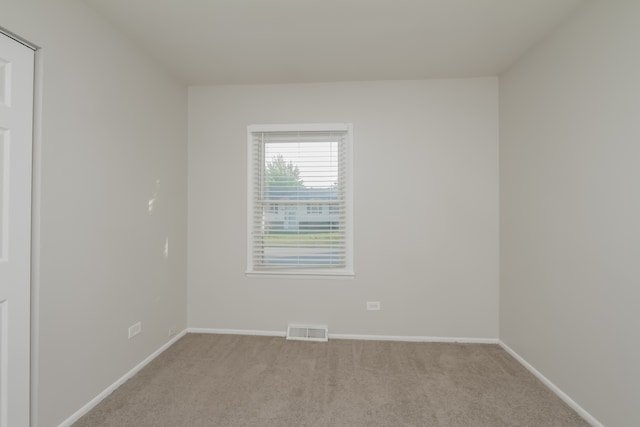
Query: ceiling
[(290, 41)]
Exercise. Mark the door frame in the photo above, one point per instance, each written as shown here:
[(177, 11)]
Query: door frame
[(36, 190)]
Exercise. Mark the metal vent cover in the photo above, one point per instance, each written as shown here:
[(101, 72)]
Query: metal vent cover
[(307, 332)]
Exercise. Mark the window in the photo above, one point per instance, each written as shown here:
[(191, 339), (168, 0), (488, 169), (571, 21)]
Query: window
[(299, 218)]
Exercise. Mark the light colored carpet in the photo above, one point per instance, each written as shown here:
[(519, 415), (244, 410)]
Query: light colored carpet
[(231, 380)]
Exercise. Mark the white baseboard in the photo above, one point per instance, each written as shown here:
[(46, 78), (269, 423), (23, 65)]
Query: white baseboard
[(561, 394), (99, 398), (236, 332), (412, 338), (349, 336)]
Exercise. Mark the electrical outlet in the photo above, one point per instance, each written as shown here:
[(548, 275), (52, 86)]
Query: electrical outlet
[(135, 329), (171, 333), (373, 305)]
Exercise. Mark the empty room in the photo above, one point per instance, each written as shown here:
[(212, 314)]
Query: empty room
[(319, 213)]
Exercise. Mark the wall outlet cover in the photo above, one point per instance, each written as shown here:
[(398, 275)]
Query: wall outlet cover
[(135, 329), (373, 305)]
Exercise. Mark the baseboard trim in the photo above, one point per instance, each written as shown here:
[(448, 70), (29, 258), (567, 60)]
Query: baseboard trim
[(236, 332), (561, 394), (349, 336), (412, 338), (99, 398)]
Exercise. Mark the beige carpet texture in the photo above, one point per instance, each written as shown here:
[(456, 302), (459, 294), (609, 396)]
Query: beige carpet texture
[(231, 380)]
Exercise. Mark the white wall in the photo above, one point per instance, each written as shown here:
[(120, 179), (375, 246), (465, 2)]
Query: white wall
[(570, 209), (426, 208), (113, 137)]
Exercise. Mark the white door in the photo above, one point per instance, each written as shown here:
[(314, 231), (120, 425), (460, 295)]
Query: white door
[(16, 111)]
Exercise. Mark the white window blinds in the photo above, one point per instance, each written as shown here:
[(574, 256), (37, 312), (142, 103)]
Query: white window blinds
[(298, 200)]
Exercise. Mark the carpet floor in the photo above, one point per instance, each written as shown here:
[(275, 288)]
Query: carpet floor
[(235, 381)]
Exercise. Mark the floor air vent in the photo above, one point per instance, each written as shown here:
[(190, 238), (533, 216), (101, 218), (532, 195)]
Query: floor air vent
[(308, 332)]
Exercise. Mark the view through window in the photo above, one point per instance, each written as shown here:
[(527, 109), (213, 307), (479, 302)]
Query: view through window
[(298, 218)]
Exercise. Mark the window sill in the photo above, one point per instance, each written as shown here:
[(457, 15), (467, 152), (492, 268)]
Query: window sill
[(310, 274)]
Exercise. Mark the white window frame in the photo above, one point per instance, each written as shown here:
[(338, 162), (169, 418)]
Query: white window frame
[(338, 272)]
